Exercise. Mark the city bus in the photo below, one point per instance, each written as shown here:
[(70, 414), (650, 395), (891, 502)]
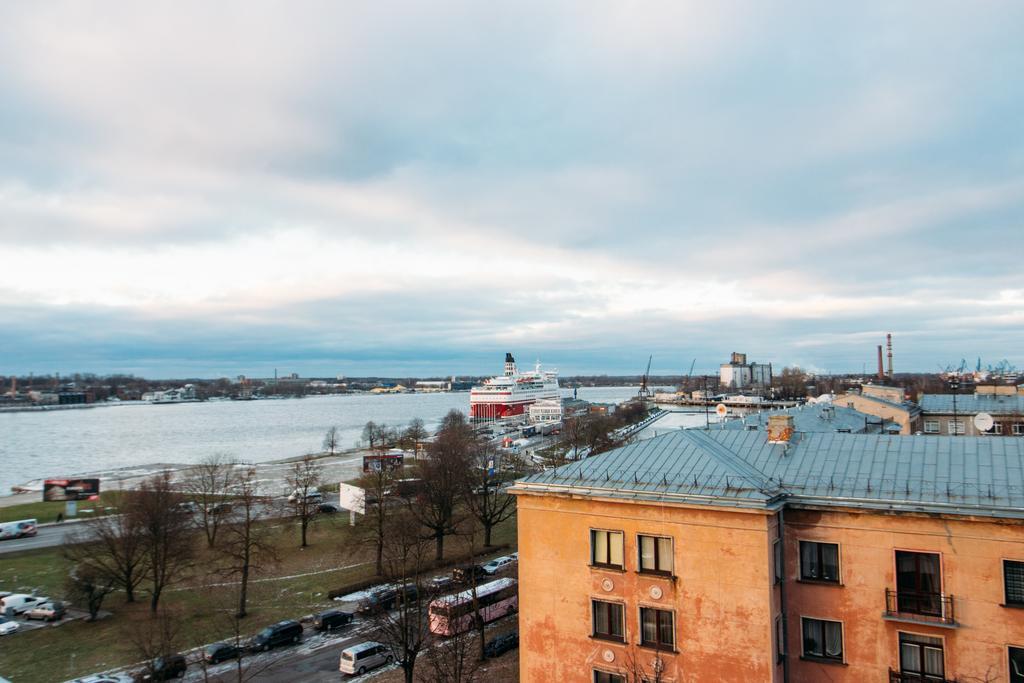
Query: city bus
[(454, 613)]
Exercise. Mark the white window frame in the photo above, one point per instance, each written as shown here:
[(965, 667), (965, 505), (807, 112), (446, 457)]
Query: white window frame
[(1017, 429), (955, 427), (931, 426)]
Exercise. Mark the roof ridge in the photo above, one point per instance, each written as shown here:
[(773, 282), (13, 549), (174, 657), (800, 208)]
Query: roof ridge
[(725, 456)]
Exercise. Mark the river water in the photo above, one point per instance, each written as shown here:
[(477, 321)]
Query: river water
[(35, 445)]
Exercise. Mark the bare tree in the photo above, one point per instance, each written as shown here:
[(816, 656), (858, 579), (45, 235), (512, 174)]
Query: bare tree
[(443, 473), (636, 672), (244, 544), (303, 480), (453, 659), (155, 637), (483, 493), (414, 434), (111, 549), (208, 484), (166, 533), (331, 440), (371, 433), (378, 485), (405, 629), (88, 586)]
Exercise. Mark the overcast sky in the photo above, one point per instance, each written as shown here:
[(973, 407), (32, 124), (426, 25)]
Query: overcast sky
[(210, 189)]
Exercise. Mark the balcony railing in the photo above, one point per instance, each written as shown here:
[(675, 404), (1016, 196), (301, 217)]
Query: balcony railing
[(904, 677), (928, 607)]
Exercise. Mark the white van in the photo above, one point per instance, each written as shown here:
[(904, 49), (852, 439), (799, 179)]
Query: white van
[(19, 529), (20, 602), (360, 658)]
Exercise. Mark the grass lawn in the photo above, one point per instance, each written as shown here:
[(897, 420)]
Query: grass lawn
[(44, 512), (296, 586)]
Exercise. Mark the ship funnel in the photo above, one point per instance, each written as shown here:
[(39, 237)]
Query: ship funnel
[(510, 365)]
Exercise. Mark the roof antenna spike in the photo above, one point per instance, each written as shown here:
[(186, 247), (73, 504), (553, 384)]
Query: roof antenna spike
[(869, 486), (695, 484), (908, 488), (728, 484), (664, 480), (948, 494), (636, 479), (831, 483)]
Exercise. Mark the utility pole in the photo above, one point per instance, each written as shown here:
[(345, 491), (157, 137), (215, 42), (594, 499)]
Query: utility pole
[(954, 384), (707, 405)]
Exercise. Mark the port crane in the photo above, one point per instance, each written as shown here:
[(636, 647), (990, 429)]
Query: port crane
[(645, 391)]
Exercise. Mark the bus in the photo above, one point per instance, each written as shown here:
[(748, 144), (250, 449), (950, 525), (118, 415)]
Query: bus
[(455, 614), (19, 529)]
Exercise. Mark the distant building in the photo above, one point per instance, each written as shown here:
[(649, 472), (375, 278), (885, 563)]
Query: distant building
[(949, 414), (884, 402), (738, 374), (817, 417), (735, 557), (545, 410)]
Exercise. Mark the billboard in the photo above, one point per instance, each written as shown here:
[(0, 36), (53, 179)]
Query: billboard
[(71, 489), (352, 498)]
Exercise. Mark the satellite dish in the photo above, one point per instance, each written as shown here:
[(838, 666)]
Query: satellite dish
[(983, 422), (721, 410)]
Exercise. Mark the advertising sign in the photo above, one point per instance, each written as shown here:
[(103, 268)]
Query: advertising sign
[(352, 498), (71, 489)]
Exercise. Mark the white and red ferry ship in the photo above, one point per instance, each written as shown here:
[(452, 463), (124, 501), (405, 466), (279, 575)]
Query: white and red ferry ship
[(512, 393)]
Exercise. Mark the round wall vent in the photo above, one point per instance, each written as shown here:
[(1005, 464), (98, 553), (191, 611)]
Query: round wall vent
[(608, 656), (607, 585), (656, 592)]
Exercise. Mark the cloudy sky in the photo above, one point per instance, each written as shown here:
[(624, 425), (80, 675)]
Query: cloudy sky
[(395, 187)]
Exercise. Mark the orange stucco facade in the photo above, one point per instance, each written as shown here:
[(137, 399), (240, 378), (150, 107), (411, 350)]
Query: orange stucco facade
[(726, 601)]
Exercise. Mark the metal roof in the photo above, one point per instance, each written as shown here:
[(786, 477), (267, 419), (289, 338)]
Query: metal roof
[(912, 408), (969, 404), (814, 417), (958, 475)]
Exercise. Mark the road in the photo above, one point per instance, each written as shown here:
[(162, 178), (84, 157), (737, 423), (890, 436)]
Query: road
[(49, 535)]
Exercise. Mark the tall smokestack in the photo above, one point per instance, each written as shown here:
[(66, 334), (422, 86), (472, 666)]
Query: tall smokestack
[(881, 367), (888, 346)]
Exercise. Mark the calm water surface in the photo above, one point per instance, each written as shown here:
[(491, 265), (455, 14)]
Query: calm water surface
[(35, 445)]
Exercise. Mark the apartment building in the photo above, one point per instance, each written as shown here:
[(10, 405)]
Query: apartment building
[(886, 403), (955, 414), (776, 556)]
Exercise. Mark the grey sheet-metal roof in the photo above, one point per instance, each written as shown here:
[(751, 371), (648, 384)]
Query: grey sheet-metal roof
[(958, 475), (814, 417), (970, 404)]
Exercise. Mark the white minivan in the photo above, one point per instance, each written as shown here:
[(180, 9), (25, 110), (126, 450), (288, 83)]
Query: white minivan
[(20, 602), (360, 658)]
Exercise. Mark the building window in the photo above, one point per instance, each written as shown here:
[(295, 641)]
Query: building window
[(605, 677), (1018, 428), (606, 548), (931, 426), (955, 427), (655, 555), (819, 561), (921, 657), (823, 639), (778, 568), (997, 428), (657, 628), (1017, 665), (780, 639), (608, 620), (1013, 579), (918, 583)]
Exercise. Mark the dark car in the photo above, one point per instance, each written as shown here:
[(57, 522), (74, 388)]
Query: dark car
[(220, 652), (281, 633), (163, 668), (387, 597), (327, 508), (467, 573), (220, 509), (332, 619), (502, 644)]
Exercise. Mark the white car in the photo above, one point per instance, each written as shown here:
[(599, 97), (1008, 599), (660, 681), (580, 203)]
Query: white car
[(8, 626), (104, 678), (21, 602), (498, 563)]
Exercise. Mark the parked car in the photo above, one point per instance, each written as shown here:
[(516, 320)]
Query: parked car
[(48, 611), (495, 565), (360, 658), (20, 603), (312, 496), (163, 668), (220, 509), (468, 572), (104, 678), (332, 619), (282, 633), (502, 644), (187, 506), (8, 626), (441, 583), (220, 652), (387, 597), (327, 508)]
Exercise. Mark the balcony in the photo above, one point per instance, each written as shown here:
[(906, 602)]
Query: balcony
[(903, 677), (935, 609)]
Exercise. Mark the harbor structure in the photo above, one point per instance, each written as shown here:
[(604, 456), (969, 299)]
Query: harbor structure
[(739, 374), (776, 556)]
